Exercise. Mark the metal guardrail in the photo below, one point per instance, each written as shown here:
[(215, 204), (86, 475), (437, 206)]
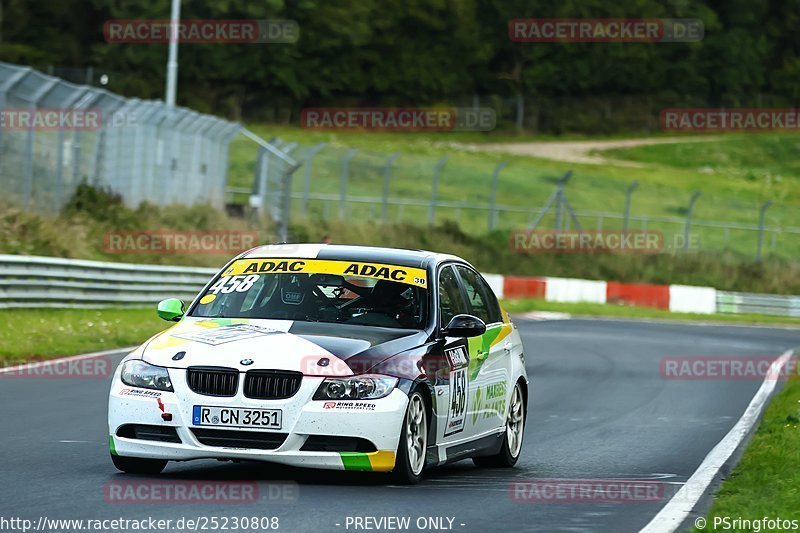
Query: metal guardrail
[(31, 281), (759, 304), (36, 282)]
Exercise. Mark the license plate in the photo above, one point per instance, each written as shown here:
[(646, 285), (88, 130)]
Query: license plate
[(205, 415)]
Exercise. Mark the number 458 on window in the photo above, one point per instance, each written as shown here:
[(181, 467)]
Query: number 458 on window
[(228, 284)]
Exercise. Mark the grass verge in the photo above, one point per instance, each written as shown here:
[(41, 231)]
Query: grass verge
[(47, 333), (524, 305), (766, 482)]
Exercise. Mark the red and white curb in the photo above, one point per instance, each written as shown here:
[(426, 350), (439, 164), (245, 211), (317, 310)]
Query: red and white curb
[(676, 298)]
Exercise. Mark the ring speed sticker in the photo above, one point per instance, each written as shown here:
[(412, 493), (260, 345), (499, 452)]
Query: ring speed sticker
[(457, 414)]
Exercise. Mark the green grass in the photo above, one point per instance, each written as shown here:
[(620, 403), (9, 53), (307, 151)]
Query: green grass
[(760, 159), (766, 482), (628, 311), (47, 333), (766, 169)]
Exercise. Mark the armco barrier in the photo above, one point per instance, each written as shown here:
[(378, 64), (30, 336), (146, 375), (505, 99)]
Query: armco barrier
[(763, 304), (30, 281)]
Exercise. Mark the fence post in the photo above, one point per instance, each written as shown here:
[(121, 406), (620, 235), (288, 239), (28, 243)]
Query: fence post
[(2, 108), (345, 173), (387, 178), (27, 185), (560, 199), (688, 227), (761, 215), (559, 216), (437, 169), (632, 187), (286, 203), (263, 182), (493, 204), (307, 184), (554, 197)]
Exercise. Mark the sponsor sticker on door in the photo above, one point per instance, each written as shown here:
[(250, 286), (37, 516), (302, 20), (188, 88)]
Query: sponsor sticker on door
[(457, 413)]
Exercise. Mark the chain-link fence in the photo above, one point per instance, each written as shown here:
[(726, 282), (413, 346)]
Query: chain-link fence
[(484, 194), (55, 135)]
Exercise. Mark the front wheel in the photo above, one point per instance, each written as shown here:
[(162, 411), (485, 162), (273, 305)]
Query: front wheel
[(135, 465), (512, 440), (413, 442)]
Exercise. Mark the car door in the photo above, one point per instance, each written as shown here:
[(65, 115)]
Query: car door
[(490, 356), (451, 387)]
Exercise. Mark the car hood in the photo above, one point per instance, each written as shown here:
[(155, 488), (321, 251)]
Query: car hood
[(248, 344)]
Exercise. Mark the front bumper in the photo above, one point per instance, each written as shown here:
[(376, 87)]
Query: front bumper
[(377, 421)]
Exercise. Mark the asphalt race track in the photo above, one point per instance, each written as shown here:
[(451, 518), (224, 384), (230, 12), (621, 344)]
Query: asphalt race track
[(600, 409)]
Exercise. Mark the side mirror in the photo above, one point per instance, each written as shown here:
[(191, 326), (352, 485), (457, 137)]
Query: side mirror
[(465, 326), (171, 309)]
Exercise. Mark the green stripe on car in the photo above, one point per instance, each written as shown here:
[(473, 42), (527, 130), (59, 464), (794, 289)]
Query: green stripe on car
[(356, 461)]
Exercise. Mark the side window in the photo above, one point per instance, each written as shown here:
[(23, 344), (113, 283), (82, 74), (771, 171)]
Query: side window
[(481, 298), (450, 301)]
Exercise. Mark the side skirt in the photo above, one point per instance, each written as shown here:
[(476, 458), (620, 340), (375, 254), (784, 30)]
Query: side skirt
[(486, 445)]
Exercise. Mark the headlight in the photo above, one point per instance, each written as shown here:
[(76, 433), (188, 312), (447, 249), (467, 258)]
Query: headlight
[(355, 388), (137, 373)]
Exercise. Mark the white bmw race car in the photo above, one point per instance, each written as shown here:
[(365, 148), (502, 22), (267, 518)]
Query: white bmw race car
[(327, 356)]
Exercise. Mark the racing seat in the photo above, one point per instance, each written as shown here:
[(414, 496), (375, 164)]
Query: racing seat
[(391, 299), (292, 299)]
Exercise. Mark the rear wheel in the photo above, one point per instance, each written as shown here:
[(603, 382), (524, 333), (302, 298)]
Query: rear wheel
[(135, 465), (512, 440), (413, 442)]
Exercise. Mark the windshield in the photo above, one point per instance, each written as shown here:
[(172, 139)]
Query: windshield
[(312, 290)]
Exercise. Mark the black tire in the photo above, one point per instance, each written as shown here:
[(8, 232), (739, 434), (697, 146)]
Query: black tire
[(135, 465), (506, 458), (404, 473)]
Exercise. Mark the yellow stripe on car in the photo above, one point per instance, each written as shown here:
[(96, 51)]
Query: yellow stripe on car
[(400, 274)]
